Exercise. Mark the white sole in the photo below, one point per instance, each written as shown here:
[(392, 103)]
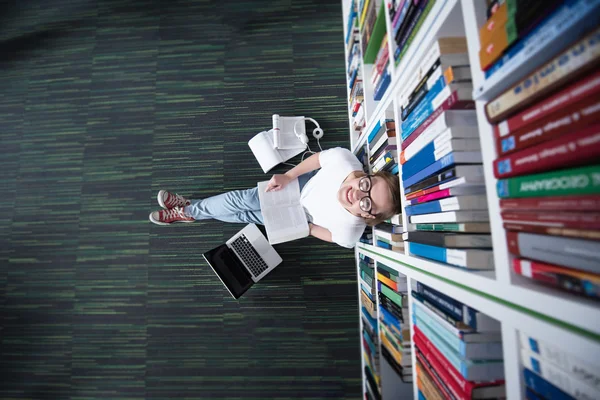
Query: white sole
[(157, 222), (160, 201)]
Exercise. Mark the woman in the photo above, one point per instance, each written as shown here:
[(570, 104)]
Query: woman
[(340, 200)]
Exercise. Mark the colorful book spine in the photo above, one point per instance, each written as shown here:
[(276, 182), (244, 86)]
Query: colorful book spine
[(563, 203), (573, 220), (554, 231), (438, 133), (435, 377), (576, 181), (444, 162), (465, 258), (402, 51), (475, 202), (567, 65), (389, 293), (569, 150), (543, 387), (434, 151)]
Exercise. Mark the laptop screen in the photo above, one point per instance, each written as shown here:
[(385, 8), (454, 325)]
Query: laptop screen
[(229, 269)]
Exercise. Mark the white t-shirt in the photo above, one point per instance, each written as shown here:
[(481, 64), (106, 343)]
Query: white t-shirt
[(320, 197)]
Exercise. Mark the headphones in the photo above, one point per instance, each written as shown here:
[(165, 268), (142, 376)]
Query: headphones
[(317, 132)]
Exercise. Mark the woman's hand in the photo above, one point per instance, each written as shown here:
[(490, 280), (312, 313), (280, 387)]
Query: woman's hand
[(278, 182)]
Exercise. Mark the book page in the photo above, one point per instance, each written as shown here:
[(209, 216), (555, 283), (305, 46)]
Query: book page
[(262, 148), (283, 215), (287, 137)]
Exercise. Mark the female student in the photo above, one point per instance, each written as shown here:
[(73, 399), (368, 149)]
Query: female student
[(340, 200)]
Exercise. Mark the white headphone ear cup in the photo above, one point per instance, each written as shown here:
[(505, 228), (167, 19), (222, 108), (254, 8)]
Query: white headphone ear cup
[(318, 133), (304, 139)]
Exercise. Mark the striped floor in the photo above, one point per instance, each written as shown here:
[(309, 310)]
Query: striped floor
[(103, 103)]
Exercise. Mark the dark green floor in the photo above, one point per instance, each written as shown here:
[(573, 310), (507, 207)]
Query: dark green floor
[(101, 105)]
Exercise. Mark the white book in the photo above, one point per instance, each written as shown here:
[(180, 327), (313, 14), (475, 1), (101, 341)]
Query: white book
[(469, 202), (452, 191), (267, 156), (586, 371), (464, 91), (555, 375), (440, 128), (468, 149), (451, 216), (282, 212)]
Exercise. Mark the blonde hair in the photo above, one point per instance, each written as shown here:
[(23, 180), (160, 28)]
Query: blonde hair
[(393, 184)]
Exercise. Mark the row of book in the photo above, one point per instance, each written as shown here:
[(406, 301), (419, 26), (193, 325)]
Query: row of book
[(355, 82), (516, 29), (551, 371), (370, 332), (458, 349), (381, 75), (394, 321), (389, 235), (407, 17), (442, 172), (547, 134), (383, 153)]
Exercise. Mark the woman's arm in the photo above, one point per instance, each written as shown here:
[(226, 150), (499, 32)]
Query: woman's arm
[(279, 181), (320, 233)]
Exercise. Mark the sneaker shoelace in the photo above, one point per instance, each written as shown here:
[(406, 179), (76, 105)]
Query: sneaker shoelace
[(174, 213), (174, 199)]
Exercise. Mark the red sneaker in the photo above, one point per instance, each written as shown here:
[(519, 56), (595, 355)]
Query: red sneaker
[(167, 217), (170, 200)]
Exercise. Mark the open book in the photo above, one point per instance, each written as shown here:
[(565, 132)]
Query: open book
[(268, 157), (282, 212)]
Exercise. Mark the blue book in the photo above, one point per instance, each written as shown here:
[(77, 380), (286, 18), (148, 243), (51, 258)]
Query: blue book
[(439, 165), (421, 396), (394, 170), (564, 26), (465, 258), (351, 17), (374, 132), (382, 86), (370, 342), (424, 208), (367, 291), (371, 320), (543, 387), (415, 19), (389, 319), (423, 109), (425, 157), (403, 13), (384, 245), (354, 74)]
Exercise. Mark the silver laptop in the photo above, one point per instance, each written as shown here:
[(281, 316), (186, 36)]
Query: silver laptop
[(243, 260)]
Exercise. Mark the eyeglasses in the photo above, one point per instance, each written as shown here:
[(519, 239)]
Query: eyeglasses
[(366, 203)]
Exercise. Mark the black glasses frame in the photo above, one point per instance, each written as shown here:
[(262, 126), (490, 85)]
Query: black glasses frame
[(368, 192)]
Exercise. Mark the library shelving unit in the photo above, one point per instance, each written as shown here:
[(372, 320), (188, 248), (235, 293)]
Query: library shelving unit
[(553, 316)]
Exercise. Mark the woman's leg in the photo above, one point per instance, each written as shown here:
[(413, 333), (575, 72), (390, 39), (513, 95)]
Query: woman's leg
[(238, 206)]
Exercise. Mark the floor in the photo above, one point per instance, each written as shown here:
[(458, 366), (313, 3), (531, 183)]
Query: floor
[(103, 103)]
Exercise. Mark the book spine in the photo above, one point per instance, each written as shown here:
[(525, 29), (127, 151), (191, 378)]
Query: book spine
[(441, 301), (402, 39), (437, 379), (431, 390), (387, 281), (563, 203), (435, 130), (431, 252), (402, 50), (569, 120), (450, 338), (440, 164), (575, 93), (423, 109), (557, 377), (543, 387), (575, 181), (390, 294), (554, 231), (566, 65), (582, 220), (574, 149)]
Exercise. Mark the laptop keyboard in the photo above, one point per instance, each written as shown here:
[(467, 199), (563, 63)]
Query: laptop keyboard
[(248, 254)]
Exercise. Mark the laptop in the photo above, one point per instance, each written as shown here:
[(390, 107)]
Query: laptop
[(243, 260)]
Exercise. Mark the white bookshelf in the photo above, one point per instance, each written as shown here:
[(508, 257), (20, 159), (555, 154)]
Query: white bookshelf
[(518, 303)]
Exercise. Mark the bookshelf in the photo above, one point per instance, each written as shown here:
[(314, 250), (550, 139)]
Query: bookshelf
[(518, 304)]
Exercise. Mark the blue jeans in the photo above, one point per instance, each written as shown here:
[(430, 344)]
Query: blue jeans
[(237, 206)]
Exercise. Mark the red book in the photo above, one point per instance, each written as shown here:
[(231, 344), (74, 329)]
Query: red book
[(569, 279), (563, 203), (565, 151), (559, 219), (554, 231), (570, 119), (569, 95), (468, 387), (451, 103), (444, 389)]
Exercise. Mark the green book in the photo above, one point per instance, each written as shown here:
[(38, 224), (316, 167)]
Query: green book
[(390, 270), (565, 182), (472, 227), (368, 279), (392, 295), (376, 37), (415, 30), (366, 268)]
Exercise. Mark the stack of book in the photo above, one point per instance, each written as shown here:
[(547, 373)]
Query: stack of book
[(458, 349), (382, 146), (389, 236), (367, 236), (351, 22), (551, 372), (370, 329), (362, 153), (394, 322), (547, 131), (516, 29), (381, 74), (441, 160), (355, 84), (407, 16)]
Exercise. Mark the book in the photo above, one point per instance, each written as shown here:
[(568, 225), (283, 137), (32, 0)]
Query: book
[(476, 259), (396, 237), (450, 216), (574, 181), (476, 320), (467, 202), (284, 216), (439, 132), (542, 387), (442, 386), (587, 372), (554, 231), (443, 315), (469, 227), (466, 151), (453, 102), (565, 98), (568, 279), (446, 161), (427, 385), (568, 252), (563, 203), (445, 193), (557, 376), (450, 240), (461, 387), (406, 41), (567, 65), (570, 119), (471, 370), (267, 156), (449, 177), (573, 220), (574, 149), (390, 294)]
